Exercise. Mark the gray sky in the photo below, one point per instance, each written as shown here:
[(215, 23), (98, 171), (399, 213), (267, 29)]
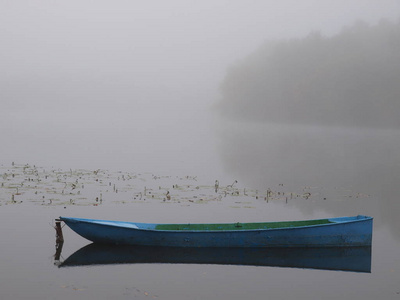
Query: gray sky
[(86, 83)]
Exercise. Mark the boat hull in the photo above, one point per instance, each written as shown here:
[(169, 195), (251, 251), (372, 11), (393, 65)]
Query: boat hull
[(342, 232)]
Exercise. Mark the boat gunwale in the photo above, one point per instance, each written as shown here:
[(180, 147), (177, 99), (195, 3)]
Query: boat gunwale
[(353, 219)]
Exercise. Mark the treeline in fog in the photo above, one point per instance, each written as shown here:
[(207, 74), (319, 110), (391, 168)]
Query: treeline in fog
[(350, 79)]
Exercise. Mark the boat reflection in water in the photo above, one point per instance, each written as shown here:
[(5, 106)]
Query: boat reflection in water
[(355, 259)]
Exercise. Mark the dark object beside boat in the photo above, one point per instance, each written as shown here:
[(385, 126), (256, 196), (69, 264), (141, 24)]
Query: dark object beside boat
[(334, 232)]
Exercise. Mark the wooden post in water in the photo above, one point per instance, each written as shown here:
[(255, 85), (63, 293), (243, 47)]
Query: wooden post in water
[(59, 233), (57, 255)]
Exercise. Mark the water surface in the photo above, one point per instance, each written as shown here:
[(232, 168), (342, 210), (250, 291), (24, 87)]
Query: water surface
[(29, 269)]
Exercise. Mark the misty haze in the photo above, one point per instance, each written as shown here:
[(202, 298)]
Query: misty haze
[(319, 106), (185, 111), (350, 79), (318, 111)]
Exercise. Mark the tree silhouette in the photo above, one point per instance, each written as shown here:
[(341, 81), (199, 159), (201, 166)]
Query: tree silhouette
[(351, 79)]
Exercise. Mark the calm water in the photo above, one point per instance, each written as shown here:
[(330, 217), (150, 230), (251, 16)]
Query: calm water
[(29, 270), (343, 173)]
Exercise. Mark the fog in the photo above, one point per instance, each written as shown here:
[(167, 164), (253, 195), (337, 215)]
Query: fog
[(319, 112), (132, 85), (316, 109), (350, 79)]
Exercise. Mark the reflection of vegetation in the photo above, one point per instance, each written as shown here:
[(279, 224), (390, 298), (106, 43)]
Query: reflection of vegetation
[(342, 95), (351, 79)]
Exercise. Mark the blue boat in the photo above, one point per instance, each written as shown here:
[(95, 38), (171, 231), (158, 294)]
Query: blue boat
[(352, 259), (335, 232)]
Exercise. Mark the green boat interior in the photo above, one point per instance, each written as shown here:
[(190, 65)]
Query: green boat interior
[(240, 226)]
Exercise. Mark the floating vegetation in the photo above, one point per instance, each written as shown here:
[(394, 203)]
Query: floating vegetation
[(54, 186)]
